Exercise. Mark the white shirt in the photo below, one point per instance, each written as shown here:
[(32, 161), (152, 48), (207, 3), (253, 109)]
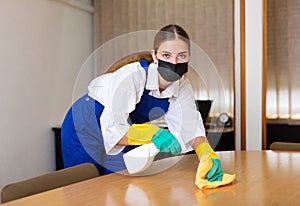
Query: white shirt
[(120, 91)]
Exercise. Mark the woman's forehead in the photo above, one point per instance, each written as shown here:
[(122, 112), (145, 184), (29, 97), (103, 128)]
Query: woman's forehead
[(173, 46)]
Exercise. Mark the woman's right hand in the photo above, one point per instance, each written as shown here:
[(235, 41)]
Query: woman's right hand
[(166, 142), (139, 134)]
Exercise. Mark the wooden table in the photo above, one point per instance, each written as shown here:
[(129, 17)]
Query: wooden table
[(262, 178)]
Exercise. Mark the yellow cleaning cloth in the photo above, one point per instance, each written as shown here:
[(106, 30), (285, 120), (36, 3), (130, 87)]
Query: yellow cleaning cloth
[(203, 168)]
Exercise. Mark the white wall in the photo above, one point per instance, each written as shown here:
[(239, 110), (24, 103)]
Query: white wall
[(43, 45), (253, 30), (237, 75), (253, 58)]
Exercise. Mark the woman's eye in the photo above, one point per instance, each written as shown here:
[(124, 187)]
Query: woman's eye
[(166, 56), (182, 56)]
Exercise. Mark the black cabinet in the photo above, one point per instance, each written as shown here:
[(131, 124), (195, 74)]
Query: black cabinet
[(58, 153), (282, 132), (221, 139)]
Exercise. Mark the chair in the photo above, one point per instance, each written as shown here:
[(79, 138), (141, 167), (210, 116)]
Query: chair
[(48, 181), (285, 146), (146, 55)]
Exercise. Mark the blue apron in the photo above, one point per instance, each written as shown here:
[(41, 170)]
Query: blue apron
[(81, 134)]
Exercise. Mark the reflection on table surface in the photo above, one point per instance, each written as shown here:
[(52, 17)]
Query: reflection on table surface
[(262, 178)]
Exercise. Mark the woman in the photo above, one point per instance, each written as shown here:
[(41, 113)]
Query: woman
[(103, 125)]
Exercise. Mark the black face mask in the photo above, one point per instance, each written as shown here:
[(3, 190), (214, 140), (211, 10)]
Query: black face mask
[(171, 72)]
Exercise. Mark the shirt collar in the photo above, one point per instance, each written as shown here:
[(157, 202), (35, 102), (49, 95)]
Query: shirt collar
[(152, 84)]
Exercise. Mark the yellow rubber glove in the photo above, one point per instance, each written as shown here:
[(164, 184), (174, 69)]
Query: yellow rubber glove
[(139, 134), (203, 168), (209, 172), (204, 152), (166, 142)]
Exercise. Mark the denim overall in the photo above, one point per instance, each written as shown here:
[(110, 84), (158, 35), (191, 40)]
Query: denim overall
[(82, 139)]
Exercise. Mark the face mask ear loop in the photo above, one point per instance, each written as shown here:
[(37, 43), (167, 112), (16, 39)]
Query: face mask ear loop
[(155, 52)]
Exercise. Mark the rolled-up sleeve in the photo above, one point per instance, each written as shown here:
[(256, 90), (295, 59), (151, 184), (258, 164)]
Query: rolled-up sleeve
[(183, 118)]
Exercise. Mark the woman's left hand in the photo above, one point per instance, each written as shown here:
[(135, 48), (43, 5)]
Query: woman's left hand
[(213, 170)]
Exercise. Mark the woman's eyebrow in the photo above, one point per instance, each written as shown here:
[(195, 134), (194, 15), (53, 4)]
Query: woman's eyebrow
[(167, 52), (183, 52)]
